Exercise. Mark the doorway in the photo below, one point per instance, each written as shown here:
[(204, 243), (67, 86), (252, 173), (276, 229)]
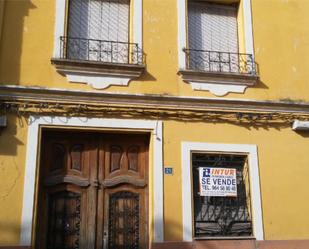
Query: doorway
[(93, 190)]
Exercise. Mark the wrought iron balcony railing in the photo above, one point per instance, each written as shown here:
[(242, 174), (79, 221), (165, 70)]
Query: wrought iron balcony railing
[(220, 62), (82, 49)]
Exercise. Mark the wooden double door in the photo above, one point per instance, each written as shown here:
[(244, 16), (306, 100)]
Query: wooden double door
[(93, 191)]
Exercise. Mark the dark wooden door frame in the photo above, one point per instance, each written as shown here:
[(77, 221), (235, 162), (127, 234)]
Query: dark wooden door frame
[(93, 183)]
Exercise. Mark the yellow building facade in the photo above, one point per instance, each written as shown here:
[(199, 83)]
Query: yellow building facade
[(111, 109)]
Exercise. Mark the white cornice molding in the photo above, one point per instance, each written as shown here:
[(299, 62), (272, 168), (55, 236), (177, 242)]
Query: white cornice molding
[(37, 94)]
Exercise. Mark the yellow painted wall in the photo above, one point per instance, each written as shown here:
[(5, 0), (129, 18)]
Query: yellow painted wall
[(283, 165), (281, 34), (12, 166), (283, 175), (281, 37)]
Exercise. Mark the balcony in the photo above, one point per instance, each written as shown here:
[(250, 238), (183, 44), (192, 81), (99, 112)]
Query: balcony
[(222, 68), (100, 51), (80, 58)]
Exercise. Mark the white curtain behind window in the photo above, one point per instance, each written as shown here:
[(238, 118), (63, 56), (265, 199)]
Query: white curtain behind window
[(212, 28), (104, 20)]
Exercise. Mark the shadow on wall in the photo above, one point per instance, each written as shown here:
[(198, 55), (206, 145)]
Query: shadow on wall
[(12, 39), (260, 84), (173, 230), (11, 173), (8, 230), (146, 75), (304, 133), (8, 140)]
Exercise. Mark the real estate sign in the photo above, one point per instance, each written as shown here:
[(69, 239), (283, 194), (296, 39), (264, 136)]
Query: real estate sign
[(217, 181)]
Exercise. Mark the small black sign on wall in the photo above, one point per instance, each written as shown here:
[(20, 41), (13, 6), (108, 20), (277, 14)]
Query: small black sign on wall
[(168, 171)]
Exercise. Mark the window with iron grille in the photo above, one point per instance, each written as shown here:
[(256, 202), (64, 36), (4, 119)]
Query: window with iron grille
[(213, 39), (98, 30), (213, 27), (99, 42), (222, 216)]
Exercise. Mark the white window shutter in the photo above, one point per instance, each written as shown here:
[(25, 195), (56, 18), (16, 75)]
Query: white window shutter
[(99, 19), (78, 11), (94, 19), (213, 32), (212, 27), (104, 20)]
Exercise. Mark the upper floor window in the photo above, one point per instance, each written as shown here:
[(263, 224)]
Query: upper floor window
[(213, 37), (99, 41), (217, 47), (98, 30)]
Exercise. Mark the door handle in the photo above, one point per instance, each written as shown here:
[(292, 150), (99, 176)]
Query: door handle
[(105, 240), (96, 184)]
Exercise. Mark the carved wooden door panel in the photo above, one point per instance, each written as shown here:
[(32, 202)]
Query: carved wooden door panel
[(124, 196), (68, 192), (93, 191)]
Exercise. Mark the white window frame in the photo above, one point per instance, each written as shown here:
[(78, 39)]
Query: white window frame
[(97, 81), (216, 89), (187, 191), (35, 124)]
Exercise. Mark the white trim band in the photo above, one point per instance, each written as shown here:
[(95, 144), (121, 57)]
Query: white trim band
[(248, 27), (59, 26)]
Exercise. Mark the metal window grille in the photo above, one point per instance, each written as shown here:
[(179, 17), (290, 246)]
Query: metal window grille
[(213, 40), (74, 48), (124, 220), (222, 216), (220, 62)]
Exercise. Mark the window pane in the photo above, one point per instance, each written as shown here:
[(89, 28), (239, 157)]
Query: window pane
[(222, 216), (99, 19), (98, 30), (213, 37), (213, 27)]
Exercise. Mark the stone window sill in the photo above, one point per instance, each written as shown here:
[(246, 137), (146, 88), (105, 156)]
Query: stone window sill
[(99, 75), (219, 83)]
